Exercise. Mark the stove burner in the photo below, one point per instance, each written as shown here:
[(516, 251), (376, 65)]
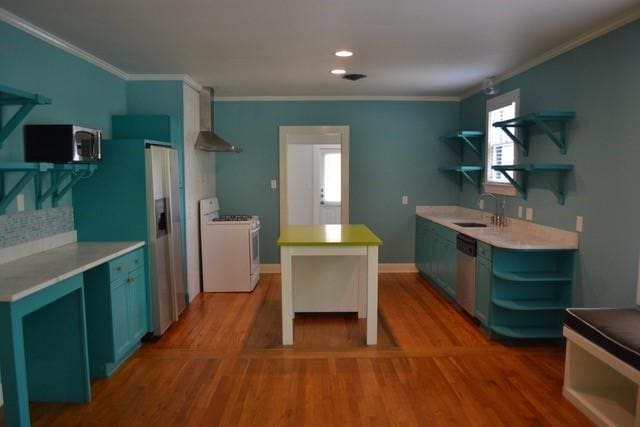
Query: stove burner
[(233, 218)]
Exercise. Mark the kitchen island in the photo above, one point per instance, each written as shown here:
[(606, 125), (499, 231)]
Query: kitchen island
[(329, 268)]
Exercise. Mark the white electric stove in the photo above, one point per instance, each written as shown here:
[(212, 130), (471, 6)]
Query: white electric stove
[(230, 249)]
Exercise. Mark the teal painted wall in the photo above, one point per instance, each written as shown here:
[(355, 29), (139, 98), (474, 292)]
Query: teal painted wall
[(81, 92), (601, 82), (394, 150)]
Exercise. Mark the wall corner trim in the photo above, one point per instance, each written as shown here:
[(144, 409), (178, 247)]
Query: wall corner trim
[(185, 78), (584, 38)]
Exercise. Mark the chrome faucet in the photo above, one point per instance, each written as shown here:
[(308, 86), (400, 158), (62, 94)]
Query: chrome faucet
[(498, 218)]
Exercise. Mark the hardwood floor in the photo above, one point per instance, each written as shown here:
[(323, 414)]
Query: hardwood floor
[(222, 364)]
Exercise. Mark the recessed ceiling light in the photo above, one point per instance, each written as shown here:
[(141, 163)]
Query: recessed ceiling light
[(338, 71), (344, 53)]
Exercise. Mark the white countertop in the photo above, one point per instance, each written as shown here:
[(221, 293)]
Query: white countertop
[(33, 273), (518, 234)]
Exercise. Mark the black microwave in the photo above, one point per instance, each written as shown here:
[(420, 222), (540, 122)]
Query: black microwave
[(61, 144)]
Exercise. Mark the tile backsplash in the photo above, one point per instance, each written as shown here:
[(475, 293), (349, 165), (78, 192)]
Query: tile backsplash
[(24, 227)]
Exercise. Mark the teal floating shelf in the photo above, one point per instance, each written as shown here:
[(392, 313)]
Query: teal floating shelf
[(529, 305), (542, 121), (59, 173), (525, 169), (533, 276), (25, 100), (534, 333), (467, 137), (473, 174)]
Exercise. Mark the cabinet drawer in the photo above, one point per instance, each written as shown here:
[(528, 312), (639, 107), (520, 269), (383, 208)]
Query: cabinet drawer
[(119, 268), (136, 259), (484, 250)]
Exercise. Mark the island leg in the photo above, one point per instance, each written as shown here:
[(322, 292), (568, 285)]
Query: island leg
[(362, 286), (372, 295), (13, 367), (287, 295)]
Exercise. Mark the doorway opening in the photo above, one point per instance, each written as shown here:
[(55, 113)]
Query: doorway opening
[(314, 171)]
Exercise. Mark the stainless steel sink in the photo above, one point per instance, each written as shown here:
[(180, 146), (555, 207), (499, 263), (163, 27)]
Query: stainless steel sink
[(470, 224)]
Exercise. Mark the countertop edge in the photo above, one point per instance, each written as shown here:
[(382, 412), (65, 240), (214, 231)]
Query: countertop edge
[(496, 242), (36, 288)]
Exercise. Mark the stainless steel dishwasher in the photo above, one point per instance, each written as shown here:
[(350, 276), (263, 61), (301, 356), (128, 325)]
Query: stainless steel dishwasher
[(466, 268)]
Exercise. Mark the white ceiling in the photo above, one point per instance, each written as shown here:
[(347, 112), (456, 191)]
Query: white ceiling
[(285, 47)]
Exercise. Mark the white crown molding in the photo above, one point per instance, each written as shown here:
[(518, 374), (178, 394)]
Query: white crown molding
[(582, 39), (185, 78), (339, 98), (56, 41)]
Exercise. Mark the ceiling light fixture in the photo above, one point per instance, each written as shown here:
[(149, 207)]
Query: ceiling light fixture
[(490, 87), (338, 72), (344, 53)]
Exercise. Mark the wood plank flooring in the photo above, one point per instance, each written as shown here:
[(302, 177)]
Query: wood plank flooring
[(222, 365)]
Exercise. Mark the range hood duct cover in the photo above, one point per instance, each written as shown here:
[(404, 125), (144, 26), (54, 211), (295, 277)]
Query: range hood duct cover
[(207, 139)]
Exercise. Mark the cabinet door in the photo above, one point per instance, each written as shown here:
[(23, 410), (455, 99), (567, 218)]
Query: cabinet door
[(452, 263), (137, 304), (483, 290), (432, 253), (120, 317), (421, 245)]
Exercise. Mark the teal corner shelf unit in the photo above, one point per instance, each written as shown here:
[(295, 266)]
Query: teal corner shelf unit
[(63, 178), (473, 174), (523, 170), (467, 138), (545, 121), (26, 101)]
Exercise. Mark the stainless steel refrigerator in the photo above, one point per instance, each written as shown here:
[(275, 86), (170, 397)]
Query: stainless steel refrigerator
[(168, 296)]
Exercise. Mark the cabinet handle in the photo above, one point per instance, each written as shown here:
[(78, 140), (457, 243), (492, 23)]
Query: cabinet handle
[(119, 268)]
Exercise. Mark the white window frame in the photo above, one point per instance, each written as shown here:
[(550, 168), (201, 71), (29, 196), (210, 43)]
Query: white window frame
[(494, 103)]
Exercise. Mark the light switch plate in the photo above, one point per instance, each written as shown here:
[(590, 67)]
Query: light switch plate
[(274, 184), (519, 211), (405, 200), (529, 214), (20, 202), (579, 224)]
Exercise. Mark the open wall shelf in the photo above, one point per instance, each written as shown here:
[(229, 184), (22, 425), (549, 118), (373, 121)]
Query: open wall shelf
[(24, 100), (473, 174), (525, 169), (63, 178), (543, 121), (467, 138)]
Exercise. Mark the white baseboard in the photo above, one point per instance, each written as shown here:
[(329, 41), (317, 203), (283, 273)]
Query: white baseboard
[(382, 268)]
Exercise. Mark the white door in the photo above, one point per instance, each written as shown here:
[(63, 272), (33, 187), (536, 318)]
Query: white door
[(327, 161)]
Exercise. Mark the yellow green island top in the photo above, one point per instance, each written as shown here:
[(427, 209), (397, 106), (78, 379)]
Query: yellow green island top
[(328, 235)]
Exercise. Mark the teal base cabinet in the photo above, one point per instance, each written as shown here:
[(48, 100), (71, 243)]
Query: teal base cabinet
[(116, 304), (522, 294), (436, 254)]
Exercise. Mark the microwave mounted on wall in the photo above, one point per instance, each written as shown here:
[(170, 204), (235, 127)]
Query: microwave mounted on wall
[(61, 144)]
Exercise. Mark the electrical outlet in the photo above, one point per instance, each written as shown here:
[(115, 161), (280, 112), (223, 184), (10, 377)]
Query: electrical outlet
[(579, 224), (529, 214), (519, 211), (274, 184), (405, 200), (481, 204), (20, 202)]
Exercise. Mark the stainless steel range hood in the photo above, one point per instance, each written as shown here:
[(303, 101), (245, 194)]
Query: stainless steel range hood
[(207, 139)]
